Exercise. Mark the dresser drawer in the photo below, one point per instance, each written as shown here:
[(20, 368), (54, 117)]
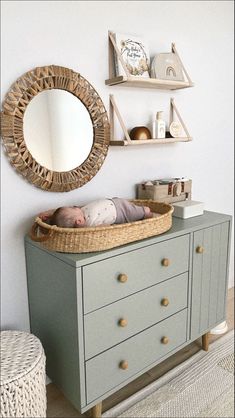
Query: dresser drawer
[(117, 277), (115, 323), (136, 354)]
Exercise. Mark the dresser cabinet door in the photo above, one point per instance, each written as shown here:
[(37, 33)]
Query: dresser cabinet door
[(209, 278)]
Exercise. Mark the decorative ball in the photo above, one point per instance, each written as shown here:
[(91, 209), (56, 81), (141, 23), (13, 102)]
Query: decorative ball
[(140, 133)]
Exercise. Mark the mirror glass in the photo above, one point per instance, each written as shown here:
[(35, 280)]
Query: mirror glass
[(58, 130)]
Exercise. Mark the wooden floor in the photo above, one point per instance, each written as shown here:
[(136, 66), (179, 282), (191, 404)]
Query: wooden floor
[(59, 406)]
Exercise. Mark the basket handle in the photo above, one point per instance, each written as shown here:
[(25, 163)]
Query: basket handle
[(34, 237)]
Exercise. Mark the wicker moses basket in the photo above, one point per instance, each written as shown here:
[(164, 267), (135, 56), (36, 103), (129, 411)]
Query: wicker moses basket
[(99, 238)]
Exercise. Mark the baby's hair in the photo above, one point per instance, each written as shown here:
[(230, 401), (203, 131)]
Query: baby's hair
[(62, 218)]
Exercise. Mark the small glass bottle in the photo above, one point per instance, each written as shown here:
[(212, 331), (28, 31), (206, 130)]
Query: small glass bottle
[(159, 127)]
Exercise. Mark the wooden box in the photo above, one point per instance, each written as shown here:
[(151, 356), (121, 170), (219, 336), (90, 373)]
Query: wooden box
[(166, 190)]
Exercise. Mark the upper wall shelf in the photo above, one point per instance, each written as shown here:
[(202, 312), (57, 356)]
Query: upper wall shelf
[(150, 83), (134, 81)]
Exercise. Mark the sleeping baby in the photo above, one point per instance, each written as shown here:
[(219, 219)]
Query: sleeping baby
[(99, 212)]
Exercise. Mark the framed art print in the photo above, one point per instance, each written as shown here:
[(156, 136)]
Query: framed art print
[(135, 54)]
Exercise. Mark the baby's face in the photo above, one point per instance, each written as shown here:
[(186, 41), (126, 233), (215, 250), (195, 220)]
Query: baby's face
[(77, 215)]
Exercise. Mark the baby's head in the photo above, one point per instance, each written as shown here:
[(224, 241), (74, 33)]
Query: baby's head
[(68, 217)]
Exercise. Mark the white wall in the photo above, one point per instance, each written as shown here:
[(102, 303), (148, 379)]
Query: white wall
[(74, 35)]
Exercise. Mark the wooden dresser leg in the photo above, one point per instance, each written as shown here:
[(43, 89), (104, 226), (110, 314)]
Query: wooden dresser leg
[(96, 411), (205, 342)]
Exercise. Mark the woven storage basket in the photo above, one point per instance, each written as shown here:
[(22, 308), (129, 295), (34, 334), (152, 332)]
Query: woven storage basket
[(99, 238), (23, 375)]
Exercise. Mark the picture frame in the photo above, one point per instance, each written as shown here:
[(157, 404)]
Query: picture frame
[(135, 54)]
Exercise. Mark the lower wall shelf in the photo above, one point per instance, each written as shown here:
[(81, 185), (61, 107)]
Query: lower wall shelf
[(127, 140), (150, 141)]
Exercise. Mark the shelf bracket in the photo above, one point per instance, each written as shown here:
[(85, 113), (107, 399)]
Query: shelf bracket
[(172, 109), (174, 50), (113, 110), (112, 47)]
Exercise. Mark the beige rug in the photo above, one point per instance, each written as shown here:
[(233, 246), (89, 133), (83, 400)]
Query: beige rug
[(202, 386)]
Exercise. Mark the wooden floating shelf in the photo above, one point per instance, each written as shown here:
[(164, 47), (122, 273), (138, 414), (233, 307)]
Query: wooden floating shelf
[(153, 83), (150, 141), (128, 80), (127, 141)]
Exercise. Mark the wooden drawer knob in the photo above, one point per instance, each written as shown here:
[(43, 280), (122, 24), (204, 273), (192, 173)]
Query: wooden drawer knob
[(165, 340), (165, 302), (122, 278), (199, 249), (123, 365), (122, 322), (165, 262)]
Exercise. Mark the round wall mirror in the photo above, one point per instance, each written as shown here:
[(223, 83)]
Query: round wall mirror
[(58, 130), (55, 128)]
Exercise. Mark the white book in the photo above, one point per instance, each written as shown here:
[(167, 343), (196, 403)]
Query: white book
[(135, 54), (188, 209)]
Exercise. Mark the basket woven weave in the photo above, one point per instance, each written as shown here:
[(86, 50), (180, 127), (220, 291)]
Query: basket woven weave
[(99, 238), (23, 376)]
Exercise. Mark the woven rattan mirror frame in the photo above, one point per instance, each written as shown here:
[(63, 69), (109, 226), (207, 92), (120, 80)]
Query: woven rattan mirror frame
[(21, 93)]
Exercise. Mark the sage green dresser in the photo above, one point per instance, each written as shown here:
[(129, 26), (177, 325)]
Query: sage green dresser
[(105, 318)]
